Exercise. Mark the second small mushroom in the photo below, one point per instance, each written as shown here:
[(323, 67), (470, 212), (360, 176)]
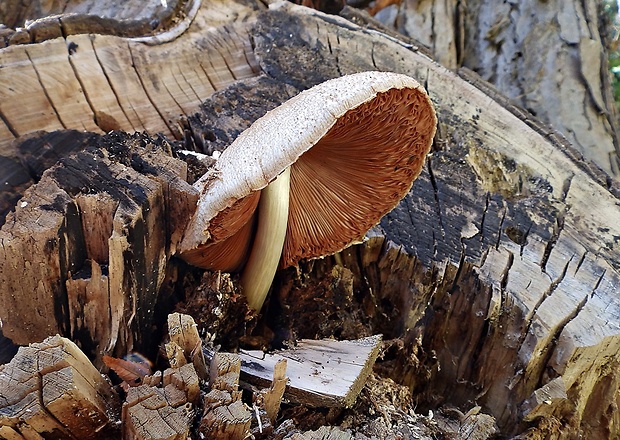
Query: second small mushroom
[(311, 177)]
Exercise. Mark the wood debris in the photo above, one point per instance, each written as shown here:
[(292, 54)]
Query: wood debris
[(323, 433), (51, 389), (225, 416), (266, 402), (184, 335), (324, 373), (162, 407)]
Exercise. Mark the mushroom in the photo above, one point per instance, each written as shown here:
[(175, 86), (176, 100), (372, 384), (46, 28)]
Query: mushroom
[(310, 177)]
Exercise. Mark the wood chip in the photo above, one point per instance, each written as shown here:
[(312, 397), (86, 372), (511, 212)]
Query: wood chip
[(321, 373)]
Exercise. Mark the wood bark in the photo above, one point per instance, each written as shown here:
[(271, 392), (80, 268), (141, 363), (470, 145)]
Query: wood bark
[(548, 57), (500, 266)]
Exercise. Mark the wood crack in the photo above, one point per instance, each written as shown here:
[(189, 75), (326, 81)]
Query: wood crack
[(224, 58), (435, 193), (146, 92), (45, 92), (82, 86), (8, 125), (557, 230), (207, 76), (112, 88), (548, 292), (43, 409)]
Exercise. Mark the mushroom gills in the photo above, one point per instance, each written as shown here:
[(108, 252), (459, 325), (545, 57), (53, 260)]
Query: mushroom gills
[(266, 251)]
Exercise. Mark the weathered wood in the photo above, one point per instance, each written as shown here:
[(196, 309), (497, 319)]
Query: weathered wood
[(225, 416), (162, 407), (130, 16), (266, 402), (323, 433), (502, 263), (52, 389), (272, 396), (184, 333), (321, 373), (89, 245), (153, 413), (503, 259), (97, 82)]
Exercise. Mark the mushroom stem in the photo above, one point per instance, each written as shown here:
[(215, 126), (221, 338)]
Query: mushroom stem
[(267, 247)]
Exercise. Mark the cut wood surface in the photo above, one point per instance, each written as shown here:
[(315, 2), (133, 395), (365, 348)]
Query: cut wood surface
[(160, 412), (321, 373), (162, 406), (99, 83), (51, 390)]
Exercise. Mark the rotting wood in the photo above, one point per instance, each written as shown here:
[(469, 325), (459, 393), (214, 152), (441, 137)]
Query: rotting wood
[(225, 416), (323, 433), (321, 373), (502, 209), (52, 389), (272, 396), (90, 243), (505, 247), (162, 405), (157, 413), (266, 402)]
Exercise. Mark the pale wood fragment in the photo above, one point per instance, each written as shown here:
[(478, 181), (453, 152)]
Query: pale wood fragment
[(162, 407), (175, 355), (148, 415), (323, 433), (184, 378), (272, 396), (231, 422), (225, 417), (51, 388), (321, 373), (183, 331)]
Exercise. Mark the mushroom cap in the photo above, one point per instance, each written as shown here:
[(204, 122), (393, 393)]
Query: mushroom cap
[(355, 144)]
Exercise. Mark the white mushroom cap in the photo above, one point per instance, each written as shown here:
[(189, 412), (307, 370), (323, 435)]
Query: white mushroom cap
[(355, 145)]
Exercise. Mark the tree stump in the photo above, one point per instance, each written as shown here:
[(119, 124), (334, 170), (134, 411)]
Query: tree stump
[(500, 267)]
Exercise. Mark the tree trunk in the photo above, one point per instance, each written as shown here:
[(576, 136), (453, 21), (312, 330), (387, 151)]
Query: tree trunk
[(501, 262), (548, 57)]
